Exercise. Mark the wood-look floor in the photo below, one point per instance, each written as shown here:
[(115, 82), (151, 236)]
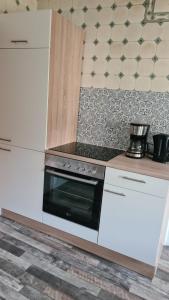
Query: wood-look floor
[(39, 267)]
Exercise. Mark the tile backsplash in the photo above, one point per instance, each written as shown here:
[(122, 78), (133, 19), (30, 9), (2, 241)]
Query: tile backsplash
[(121, 50), (105, 115), (17, 5)]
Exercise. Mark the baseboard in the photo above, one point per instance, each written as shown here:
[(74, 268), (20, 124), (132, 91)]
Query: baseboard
[(125, 261)]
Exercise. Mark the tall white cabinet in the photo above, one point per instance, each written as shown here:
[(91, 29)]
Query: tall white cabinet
[(30, 65), (23, 100)]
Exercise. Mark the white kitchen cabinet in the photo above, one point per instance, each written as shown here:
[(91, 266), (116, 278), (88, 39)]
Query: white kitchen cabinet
[(137, 182), (25, 30), (4, 172), (23, 101), (132, 220), (22, 173)]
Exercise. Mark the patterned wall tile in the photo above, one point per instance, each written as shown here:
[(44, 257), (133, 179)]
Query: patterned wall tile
[(116, 34), (145, 67), (143, 84), (160, 84), (17, 5), (105, 114)]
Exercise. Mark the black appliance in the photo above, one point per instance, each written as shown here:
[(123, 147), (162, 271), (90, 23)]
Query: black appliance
[(72, 188), (89, 151), (138, 140), (161, 148)]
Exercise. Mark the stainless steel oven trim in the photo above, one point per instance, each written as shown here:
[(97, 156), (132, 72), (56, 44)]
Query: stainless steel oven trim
[(91, 182), (60, 163)]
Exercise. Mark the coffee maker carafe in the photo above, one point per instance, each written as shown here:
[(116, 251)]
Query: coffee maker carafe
[(138, 140)]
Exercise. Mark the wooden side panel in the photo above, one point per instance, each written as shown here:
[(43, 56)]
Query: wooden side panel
[(64, 81), (130, 263)]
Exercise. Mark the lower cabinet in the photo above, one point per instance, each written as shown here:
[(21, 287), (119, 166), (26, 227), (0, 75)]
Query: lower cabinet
[(131, 223), (21, 181)]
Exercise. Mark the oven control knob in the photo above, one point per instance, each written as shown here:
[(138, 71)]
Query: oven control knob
[(89, 171), (83, 169), (68, 166)]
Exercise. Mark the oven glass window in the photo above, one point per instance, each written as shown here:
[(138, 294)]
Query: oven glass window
[(73, 198)]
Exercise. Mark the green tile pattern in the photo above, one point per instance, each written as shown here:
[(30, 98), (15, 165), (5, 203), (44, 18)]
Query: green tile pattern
[(14, 5), (122, 37)]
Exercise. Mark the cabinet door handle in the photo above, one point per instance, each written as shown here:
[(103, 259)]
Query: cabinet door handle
[(5, 149), (5, 140), (19, 41), (115, 193), (133, 179)]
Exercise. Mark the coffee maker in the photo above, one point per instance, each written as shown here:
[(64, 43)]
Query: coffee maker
[(138, 140)]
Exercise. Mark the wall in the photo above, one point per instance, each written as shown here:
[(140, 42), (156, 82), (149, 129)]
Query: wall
[(125, 68), (121, 51), (105, 115), (17, 5)]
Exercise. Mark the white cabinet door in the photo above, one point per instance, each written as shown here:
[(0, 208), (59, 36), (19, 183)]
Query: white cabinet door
[(24, 176), (25, 30), (5, 156), (137, 182), (24, 93), (131, 223)]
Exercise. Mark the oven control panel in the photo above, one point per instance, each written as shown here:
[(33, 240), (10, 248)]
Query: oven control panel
[(75, 166)]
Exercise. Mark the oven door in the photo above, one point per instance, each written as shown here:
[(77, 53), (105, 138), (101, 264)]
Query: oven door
[(73, 197)]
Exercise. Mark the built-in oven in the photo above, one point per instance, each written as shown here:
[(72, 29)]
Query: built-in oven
[(73, 190)]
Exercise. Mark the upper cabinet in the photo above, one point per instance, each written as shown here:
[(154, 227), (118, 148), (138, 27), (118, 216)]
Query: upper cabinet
[(25, 30), (40, 59)]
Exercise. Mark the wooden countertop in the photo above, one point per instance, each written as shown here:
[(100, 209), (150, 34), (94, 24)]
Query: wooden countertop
[(143, 166)]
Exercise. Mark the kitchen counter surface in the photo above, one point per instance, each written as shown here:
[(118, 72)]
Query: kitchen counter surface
[(143, 166)]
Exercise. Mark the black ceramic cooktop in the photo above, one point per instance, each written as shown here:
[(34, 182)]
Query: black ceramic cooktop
[(89, 151)]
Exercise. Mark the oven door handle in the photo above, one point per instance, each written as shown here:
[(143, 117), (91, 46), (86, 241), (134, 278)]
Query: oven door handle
[(91, 182)]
